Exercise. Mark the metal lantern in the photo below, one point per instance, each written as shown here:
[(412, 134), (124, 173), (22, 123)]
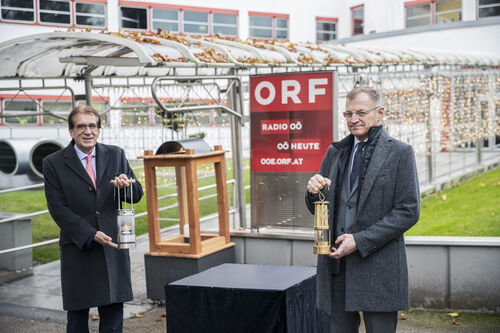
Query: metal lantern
[(321, 226), (126, 220)]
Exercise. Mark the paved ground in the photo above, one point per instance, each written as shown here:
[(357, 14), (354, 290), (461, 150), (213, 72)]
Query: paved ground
[(33, 302)]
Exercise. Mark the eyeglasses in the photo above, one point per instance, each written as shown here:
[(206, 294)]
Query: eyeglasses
[(360, 114), (83, 127)]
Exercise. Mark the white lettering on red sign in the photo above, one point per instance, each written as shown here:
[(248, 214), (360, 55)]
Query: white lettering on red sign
[(313, 91), (286, 93), (279, 126), (290, 89), (258, 93), (281, 161)]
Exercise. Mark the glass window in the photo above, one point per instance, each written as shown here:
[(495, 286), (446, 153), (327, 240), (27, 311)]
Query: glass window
[(418, 15), (18, 10), (14, 107), (358, 16), (224, 24), (489, 8), (90, 14), (195, 23), (325, 30), (165, 19), (136, 114), (261, 27), (60, 108), (449, 11), (134, 18), (52, 11), (281, 28)]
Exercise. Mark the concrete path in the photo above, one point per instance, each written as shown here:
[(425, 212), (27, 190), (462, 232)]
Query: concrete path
[(38, 297)]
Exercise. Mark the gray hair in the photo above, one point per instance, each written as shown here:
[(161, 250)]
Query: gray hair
[(83, 108), (374, 94)]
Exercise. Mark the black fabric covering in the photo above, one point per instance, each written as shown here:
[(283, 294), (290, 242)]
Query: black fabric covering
[(245, 298)]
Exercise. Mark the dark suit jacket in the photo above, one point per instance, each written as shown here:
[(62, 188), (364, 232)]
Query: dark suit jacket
[(388, 205), (91, 275)]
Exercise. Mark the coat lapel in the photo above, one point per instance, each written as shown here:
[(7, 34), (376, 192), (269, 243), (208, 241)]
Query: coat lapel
[(102, 158), (72, 161), (380, 154)]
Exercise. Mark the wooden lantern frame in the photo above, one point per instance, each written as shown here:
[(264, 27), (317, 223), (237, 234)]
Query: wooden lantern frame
[(186, 164)]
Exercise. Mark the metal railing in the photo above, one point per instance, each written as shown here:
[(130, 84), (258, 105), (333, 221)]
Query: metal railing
[(232, 209)]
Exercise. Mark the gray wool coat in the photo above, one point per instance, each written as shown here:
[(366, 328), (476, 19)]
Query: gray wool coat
[(91, 274), (388, 205)]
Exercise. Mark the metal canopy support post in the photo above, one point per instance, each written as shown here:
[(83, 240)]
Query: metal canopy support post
[(235, 100), (88, 87)]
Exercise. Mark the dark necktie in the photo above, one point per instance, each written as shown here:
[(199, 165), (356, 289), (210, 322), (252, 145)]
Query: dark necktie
[(356, 164)]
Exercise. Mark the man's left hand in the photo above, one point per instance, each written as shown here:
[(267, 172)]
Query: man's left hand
[(347, 246), (120, 181)]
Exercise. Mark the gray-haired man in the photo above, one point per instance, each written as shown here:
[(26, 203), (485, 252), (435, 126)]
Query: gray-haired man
[(374, 198)]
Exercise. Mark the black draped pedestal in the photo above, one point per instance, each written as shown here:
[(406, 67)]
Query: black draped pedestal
[(245, 298)]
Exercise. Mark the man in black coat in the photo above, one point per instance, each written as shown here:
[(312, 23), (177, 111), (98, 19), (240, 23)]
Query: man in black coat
[(374, 198), (80, 182)]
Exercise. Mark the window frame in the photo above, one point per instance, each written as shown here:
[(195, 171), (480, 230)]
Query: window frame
[(37, 116), (433, 4), (436, 12), (34, 9), (478, 7), (151, 6), (208, 33), (55, 101), (70, 13), (224, 24), (148, 16), (95, 2), (354, 8), (274, 27), (420, 4), (179, 19), (321, 19)]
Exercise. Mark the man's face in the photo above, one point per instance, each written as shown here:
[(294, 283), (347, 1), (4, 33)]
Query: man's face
[(83, 133), (359, 125)]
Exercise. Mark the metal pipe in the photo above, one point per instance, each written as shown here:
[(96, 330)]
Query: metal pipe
[(235, 97), (41, 150), (29, 246), (14, 156)]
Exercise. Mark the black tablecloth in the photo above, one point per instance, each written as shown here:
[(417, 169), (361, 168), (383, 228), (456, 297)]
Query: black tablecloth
[(245, 298)]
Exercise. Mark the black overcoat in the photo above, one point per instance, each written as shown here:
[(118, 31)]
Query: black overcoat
[(91, 274), (388, 205)]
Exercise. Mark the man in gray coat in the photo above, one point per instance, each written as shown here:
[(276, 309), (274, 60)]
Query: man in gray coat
[(80, 182), (370, 180)]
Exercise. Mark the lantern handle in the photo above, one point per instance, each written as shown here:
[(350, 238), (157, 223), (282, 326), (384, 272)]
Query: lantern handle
[(321, 195)]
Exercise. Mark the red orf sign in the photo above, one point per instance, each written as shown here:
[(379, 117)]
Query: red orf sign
[(291, 121)]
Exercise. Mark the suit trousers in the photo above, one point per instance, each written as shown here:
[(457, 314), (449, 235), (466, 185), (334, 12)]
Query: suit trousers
[(342, 321), (110, 319)]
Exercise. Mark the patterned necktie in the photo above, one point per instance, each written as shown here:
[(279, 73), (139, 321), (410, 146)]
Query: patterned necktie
[(356, 164), (90, 170)]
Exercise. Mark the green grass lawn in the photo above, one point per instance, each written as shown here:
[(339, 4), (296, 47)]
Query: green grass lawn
[(468, 209), (471, 208), (437, 321)]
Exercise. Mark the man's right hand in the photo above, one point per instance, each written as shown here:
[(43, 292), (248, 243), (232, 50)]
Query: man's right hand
[(316, 183), (103, 239)]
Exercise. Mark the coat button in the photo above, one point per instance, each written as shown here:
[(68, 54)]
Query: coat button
[(98, 213), (349, 206), (342, 229), (90, 188)]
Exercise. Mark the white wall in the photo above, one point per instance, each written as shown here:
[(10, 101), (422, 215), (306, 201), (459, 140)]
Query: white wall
[(380, 16)]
